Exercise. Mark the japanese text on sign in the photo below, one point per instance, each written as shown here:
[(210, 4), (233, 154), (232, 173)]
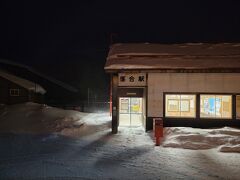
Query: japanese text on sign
[(127, 79)]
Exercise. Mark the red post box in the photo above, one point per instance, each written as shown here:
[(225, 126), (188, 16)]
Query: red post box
[(158, 129)]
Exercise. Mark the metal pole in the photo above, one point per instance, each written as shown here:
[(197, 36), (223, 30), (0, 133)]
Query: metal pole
[(110, 104), (88, 97)]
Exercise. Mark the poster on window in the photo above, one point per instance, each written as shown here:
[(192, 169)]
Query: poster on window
[(211, 105), (218, 107), (135, 105), (124, 105), (173, 105), (185, 105)]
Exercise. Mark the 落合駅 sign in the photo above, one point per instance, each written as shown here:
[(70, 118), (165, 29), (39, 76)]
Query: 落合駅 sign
[(132, 79)]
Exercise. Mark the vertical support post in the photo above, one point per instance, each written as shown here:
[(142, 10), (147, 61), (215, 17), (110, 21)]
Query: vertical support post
[(88, 95), (234, 114), (35, 94), (110, 103), (198, 100), (114, 104), (130, 105)]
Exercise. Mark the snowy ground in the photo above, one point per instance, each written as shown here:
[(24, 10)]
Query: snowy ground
[(37, 118), (90, 151)]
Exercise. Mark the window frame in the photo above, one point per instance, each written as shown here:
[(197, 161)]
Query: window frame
[(14, 92), (180, 93), (217, 94), (198, 106), (236, 107)]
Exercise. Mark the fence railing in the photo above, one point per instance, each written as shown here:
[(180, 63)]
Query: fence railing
[(85, 106)]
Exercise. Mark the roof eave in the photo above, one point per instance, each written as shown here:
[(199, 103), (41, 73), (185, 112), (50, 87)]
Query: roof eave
[(175, 70)]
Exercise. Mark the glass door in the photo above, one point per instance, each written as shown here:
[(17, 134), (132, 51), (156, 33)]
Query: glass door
[(124, 112), (130, 111), (136, 111)]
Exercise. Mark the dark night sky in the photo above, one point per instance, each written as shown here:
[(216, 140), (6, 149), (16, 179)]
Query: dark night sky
[(75, 35)]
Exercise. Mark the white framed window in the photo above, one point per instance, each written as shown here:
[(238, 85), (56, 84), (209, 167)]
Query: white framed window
[(180, 105), (14, 92), (216, 106)]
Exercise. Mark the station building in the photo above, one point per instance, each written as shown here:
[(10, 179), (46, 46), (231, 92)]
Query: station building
[(192, 84)]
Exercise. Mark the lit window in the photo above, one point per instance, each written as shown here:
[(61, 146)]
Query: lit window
[(238, 106), (216, 106), (14, 92), (180, 105)]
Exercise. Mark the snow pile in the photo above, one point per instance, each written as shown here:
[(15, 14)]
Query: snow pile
[(97, 119), (37, 118), (225, 139), (93, 123)]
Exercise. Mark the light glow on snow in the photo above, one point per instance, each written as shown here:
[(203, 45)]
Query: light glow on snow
[(91, 151), (37, 118)]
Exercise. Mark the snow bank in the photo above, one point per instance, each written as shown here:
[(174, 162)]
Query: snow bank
[(37, 118), (225, 139), (93, 123)]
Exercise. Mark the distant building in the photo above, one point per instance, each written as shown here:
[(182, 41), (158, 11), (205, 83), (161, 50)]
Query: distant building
[(14, 90), (58, 92), (193, 84)]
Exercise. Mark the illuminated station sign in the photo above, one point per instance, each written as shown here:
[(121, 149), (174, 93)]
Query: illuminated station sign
[(132, 79)]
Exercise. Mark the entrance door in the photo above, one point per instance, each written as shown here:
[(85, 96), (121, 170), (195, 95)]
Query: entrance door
[(130, 111)]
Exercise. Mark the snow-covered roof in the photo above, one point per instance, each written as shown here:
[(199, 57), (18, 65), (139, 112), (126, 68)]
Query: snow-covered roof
[(146, 56), (31, 86), (32, 70)]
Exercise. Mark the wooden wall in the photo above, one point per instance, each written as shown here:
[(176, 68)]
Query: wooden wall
[(187, 82), (24, 94)]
